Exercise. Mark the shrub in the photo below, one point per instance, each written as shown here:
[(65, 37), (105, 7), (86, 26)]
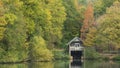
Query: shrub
[(39, 51), (11, 56), (60, 55), (90, 53), (116, 58)]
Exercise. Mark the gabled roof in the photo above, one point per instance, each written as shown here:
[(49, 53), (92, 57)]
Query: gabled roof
[(75, 39)]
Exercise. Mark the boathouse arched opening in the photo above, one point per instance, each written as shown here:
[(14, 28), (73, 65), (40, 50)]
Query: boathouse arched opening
[(77, 54)]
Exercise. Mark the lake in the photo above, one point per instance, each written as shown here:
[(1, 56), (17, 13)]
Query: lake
[(65, 64)]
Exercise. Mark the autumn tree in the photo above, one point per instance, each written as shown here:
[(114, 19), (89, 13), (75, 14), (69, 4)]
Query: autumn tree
[(39, 51), (58, 16), (14, 48), (100, 6), (38, 22), (73, 21), (2, 20), (90, 37), (88, 21), (109, 26)]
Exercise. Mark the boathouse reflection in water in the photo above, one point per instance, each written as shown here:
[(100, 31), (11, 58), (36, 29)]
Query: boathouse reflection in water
[(75, 64)]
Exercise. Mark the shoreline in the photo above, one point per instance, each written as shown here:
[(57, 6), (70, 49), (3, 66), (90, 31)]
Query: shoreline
[(58, 60)]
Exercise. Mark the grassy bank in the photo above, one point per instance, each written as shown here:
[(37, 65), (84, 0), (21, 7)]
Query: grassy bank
[(91, 54), (60, 55)]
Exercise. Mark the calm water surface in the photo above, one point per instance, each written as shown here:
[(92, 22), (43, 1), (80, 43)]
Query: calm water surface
[(65, 64)]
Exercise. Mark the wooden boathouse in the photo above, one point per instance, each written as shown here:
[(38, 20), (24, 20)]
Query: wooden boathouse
[(75, 47)]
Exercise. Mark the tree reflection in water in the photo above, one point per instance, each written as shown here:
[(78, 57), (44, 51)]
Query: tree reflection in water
[(65, 64), (41, 65)]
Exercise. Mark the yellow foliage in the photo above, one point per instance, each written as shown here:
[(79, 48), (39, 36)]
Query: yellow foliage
[(1, 4), (109, 26), (40, 51), (90, 37), (2, 20)]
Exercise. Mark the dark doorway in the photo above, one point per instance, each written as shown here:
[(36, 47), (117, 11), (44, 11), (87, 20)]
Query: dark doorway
[(76, 55)]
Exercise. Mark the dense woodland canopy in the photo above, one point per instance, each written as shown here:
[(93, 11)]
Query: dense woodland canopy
[(31, 29)]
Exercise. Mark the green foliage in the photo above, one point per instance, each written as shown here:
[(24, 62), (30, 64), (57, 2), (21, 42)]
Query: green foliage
[(60, 55), (2, 20), (58, 16), (28, 23), (90, 53), (109, 26), (101, 5), (10, 18), (13, 42), (13, 37), (116, 58), (73, 20), (32, 26), (106, 32), (38, 50), (45, 18), (90, 37)]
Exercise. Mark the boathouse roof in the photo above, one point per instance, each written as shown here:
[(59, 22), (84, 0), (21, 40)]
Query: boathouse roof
[(75, 40)]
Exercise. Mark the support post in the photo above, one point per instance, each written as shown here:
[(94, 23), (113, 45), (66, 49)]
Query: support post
[(84, 53), (69, 51), (84, 57)]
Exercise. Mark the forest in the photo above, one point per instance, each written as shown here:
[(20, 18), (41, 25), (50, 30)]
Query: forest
[(33, 30)]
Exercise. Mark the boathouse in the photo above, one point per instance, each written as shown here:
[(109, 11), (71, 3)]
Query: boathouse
[(76, 48)]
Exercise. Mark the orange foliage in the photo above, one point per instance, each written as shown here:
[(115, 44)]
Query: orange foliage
[(88, 21), (1, 4)]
